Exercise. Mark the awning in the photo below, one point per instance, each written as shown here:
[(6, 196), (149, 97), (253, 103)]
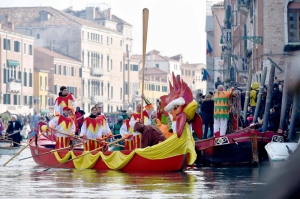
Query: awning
[(13, 63), (44, 111)]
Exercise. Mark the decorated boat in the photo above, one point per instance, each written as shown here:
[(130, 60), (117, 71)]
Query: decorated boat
[(239, 148), (7, 149), (173, 154)]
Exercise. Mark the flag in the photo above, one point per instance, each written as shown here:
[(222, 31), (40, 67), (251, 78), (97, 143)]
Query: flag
[(209, 50), (206, 75)]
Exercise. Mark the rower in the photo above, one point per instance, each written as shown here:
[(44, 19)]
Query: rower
[(13, 130), (101, 119), (63, 123), (91, 129), (64, 99)]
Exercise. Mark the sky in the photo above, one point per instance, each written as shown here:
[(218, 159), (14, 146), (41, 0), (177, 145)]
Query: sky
[(175, 26)]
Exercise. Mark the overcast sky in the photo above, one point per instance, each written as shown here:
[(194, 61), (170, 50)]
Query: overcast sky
[(175, 26)]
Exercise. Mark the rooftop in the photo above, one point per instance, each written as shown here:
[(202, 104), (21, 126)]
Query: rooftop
[(55, 54), (31, 17)]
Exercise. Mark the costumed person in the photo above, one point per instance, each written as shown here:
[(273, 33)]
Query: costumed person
[(124, 115), (221, 110), (150, 134), (208, 115), (253, 96), (25, 130), (13, 130), (101, 119), (162, 127), (79, 117), (64, 99), (136, 117), (99, 109), (62, 123), (162, 115), (91, 129), (41, 123)]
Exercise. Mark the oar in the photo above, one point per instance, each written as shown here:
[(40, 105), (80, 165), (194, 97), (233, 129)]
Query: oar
[(22, 150), (50, 151), (11, 141), (18, 131), (97, 149)]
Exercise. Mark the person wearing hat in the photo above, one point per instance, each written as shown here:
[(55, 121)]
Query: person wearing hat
[(64, 99), (91, 129), (63, 123), (13, 130), (276, 96)]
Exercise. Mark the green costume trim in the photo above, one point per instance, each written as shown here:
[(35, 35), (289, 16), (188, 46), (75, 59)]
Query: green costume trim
[(221, 116), (164, 119), (221, 100), (221, 108)]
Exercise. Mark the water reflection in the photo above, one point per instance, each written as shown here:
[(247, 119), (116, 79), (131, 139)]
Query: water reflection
[(23, 179)]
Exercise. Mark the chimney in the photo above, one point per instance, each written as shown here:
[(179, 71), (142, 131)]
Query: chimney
[(90, 13), (51, 46), (109, 13)]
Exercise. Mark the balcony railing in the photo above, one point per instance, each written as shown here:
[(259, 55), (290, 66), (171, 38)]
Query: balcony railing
[(13, 87), (97, 71), (97, 99)]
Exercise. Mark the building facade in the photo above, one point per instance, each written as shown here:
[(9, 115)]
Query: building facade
[(63, 71), (40, 91), (16, 69)]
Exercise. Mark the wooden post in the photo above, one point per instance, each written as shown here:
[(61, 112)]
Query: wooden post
[(247, 95), (145, 32), (269, 97), (259, 96), (294, 116), (284, 97)]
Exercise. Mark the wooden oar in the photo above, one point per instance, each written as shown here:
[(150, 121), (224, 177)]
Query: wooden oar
[(11, 141), (21, 150), (51, 151), (97, 149), (75, 136)]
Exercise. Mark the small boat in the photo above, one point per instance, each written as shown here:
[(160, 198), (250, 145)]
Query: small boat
[(279, 153), (7, 149), (239, 148), (173, 154)]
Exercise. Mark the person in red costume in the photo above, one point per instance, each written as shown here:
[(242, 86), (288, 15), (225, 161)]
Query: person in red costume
[(64, 99)]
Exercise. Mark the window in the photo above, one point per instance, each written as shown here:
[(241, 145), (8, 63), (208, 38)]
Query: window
[(55, 89), (72, 72), (126, 88), (17, 46), (121, 66), (111, 64), (80, 72), (25, 100), (121, 93), (46, 100), (6, 98), (59, 69), (65, 71), (157, 65), (38, 36), (30, 79), (121, 42), (135, 68), (126, 67), (112, 92), (6, 44), (111, 109), (107, 61), (82, 35), (88, 35), (111, 40), (25, 79), (20, 75), (5, 74), (41, 81), (107, 40), (108, 108), (15, 99), (293, 23), (127, 48), (164, 89), (55, 69), (30, 100), (30, 49), (24, 49), (101, 38), (46, 82)]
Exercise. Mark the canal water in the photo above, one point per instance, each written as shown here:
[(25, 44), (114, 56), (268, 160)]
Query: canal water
[(24, 179)]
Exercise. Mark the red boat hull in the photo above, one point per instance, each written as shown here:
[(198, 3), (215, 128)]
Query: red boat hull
[(136, 164), (240, 148)]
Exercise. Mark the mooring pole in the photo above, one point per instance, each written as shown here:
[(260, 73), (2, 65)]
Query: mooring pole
[(259, 96), (247, 95), (269, 97), (284, 97), (294, 116)]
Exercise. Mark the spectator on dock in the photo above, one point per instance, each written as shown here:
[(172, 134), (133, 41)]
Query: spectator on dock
[(276, 96), (274, 119)]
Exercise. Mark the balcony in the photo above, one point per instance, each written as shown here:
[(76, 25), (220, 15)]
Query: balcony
[(97, 71), (13, 87), (97, 99)]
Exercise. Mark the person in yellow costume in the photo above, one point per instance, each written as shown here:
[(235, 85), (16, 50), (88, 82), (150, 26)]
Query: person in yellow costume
[(221, 110), (253, 95)]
